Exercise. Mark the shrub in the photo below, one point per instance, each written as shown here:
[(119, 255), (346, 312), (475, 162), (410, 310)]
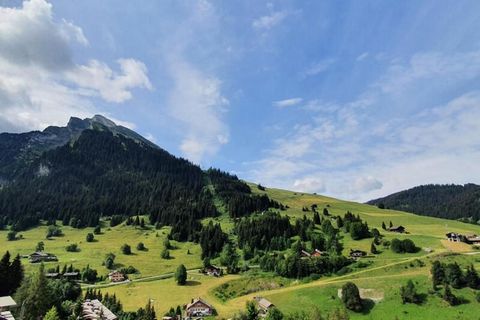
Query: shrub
[(12, 235), (90, 237), (141, 246), (165, 254), (97, 230), (126, 249), (409, 293), (72, 247), (402, 246)]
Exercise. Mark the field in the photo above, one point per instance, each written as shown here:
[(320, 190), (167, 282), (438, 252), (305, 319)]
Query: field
[(383, 273), (148, 262)]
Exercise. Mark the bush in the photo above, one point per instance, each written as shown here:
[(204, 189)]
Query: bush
[(97, 230), (110, 261), (126, 249), (72, 247), (409, 293), (54, 231), (12, 235), (90, 237), (141, 246), (351, 297), (165, 254), (402, 246)]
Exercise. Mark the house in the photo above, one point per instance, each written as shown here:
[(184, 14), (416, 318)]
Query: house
[(318, 253), (41, 257), (198, 308), (356, 254), (213, 271), (473, 239), (264, 305), (95, 310), (71, 275), (52, 275), (6, 303), (398, 229), (454, 237), (116, 276)]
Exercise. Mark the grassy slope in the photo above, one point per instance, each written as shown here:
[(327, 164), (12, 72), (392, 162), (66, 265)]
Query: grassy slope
[(386, 272), (147, 262)]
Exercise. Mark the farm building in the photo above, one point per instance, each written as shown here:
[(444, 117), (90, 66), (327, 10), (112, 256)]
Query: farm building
[(398, 229), (356, 254), (116, 276), (454, 237), (198, 308), (213, 271), (42, 257), (264, 305), (95, 310)]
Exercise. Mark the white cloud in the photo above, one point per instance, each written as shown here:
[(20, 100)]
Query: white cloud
[(363, 56), (309, 184), (197, 103), (269, 21), (287, 102), (369, 147), (318, 67), (40, 84)]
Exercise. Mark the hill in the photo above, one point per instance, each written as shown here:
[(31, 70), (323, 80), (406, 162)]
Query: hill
[(444, 201)]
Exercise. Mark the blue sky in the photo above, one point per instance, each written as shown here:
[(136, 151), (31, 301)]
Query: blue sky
[(353, 99)]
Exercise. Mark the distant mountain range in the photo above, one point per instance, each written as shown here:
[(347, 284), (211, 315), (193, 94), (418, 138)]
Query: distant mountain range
[(448, 201)]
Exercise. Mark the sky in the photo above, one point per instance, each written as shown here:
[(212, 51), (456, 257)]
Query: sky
[(351, 99)]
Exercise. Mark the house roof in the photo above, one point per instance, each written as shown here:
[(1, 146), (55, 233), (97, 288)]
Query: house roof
[(264, 303), (7, 301), (6, 315), (196, 300), (93, 308), (70, 274)]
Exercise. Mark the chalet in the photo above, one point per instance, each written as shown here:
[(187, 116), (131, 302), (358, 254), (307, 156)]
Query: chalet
[(6, 303), (116, 276), (52, 275), (198, 308), (356, 254), (71, 275), (213, 271), (264, 305), (318, 253), (454, 237), (398, 229), (95, 310), (473, 239), (42, 257)]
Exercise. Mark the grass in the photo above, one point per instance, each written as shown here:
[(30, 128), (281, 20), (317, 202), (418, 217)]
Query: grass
[(384, 272), (147, 262)]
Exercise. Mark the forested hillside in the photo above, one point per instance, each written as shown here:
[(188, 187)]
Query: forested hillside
[(443, 201)]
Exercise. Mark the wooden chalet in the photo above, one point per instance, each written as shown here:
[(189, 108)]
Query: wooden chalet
[(116, 276), (398, 229), (315, 253), (473, 239), (264, 305), (454, 237), (356, 254), (213, 271), (199, 308), (72, 275), (41, 257)]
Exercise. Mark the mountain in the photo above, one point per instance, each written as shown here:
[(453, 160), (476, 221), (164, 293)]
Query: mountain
[(18, 150), (93, 168), (444, 201)]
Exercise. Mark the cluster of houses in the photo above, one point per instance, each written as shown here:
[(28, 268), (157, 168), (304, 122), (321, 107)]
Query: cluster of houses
[(40, 256), (6, 303), (457, 237), (95, 310)]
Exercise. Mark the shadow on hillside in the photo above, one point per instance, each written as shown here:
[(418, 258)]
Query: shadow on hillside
[(192, 283), (367, 305)]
